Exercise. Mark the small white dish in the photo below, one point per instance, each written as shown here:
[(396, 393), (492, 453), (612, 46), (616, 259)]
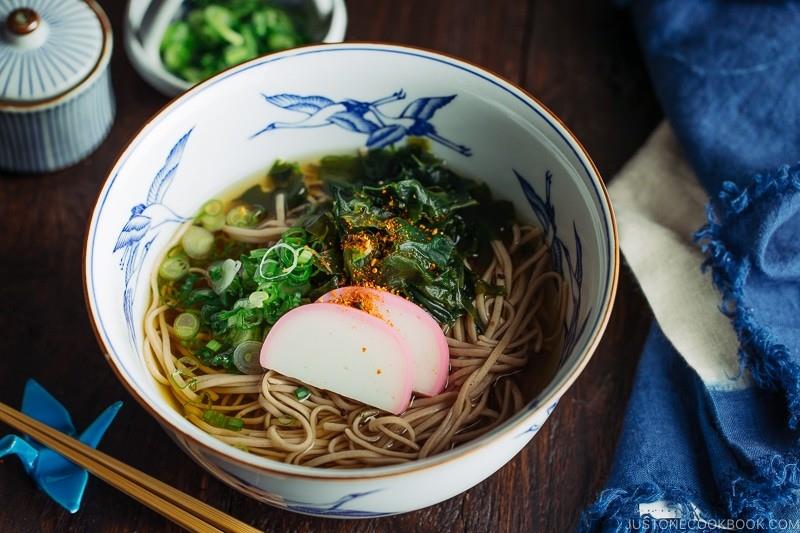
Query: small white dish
[(239, 122), (147, 20)]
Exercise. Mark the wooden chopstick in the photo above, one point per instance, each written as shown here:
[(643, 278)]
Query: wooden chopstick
[(186, 511)]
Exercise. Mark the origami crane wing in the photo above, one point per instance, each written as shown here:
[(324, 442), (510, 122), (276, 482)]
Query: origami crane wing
[(41, 405), (13, 445), (60, 479)]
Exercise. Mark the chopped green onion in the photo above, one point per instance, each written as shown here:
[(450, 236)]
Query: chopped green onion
[(174, 47), (221, 19), (281, 41), (238, 336), (186, 326), (233, 55), (258, 298), (212, 222), (217, 419), (212, 215), (176, 251), (197, 242), (285, 421), (214, 345), (285, 271), (237, 216), (216, 34), (191, 382), (212, 207), (173, 268), (234, 424), (222, 274), (243, 216), (301, 393), (306, 254), (192, 74), (246, 357)]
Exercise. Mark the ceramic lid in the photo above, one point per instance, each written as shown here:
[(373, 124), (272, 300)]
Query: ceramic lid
[(47, 47)]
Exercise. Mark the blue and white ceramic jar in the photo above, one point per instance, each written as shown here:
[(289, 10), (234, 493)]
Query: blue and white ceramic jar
[(56, 100)]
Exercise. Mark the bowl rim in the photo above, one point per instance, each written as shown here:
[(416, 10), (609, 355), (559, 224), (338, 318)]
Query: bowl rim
[(549, 396)]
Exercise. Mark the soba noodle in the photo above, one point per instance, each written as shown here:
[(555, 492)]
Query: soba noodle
[(522, 325)]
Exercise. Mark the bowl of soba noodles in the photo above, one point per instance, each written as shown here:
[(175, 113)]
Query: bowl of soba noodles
[(351, 280)]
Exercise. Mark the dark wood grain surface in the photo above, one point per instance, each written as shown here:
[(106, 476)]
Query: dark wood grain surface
[(580, 58)]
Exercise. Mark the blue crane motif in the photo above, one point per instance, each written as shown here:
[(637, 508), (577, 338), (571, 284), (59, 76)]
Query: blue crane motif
[(141, 229), (571, 268), (60, 479), (366, 118), (535, 427), (335, 508)]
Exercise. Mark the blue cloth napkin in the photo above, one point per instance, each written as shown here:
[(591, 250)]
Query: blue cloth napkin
[(728, 77)]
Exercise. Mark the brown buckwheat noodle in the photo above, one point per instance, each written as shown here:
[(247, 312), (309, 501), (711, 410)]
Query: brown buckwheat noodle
[(515, 329)]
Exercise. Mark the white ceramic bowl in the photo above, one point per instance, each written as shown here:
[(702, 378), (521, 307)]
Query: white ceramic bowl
[(206, 139)]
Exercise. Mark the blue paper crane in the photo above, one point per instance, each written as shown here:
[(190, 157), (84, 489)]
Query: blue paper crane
[(60, 479), (366, 117), (138, 233)]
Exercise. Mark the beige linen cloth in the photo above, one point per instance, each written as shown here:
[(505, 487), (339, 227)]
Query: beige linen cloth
[(659, 205)]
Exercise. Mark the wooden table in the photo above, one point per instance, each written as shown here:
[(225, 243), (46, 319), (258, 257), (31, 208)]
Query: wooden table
[(580, 58)]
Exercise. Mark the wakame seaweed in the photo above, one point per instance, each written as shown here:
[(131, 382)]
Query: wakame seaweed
[(397, 219), (397, 236), (406, 222)]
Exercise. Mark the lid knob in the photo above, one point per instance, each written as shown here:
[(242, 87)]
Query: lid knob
[(23, 21)]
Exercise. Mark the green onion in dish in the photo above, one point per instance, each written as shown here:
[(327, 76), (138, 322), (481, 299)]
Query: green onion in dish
[(173, 268), (217, 419), (212, 215), (301, 393), (286, 421), (197, 242), (223, 273), (215, 35), (244, 216), (214, 345), (245, 357), (186, 326), (239, 336)]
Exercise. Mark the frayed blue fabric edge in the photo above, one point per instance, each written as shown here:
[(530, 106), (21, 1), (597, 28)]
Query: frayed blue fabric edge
[(777, 482), (617, 510), (768, 361)]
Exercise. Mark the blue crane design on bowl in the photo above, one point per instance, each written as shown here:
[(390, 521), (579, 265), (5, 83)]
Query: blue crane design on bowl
[(335, 508), (366, 117), (143, 226)]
